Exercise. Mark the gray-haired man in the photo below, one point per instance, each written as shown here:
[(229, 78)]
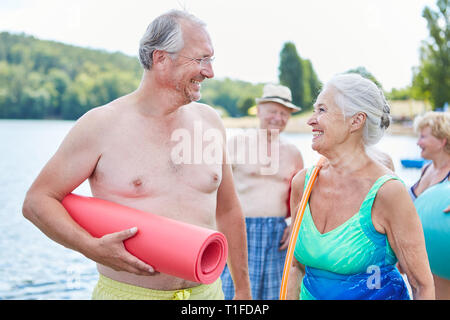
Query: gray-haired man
[(263, 165), (124, 149)]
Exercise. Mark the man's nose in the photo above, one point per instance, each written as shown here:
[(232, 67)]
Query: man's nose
[(208, 71)]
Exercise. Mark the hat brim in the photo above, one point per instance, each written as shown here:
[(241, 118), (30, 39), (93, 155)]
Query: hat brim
[(284, 103)]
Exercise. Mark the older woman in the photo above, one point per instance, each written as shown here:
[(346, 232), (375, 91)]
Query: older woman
[(359, 218), (434, 140)]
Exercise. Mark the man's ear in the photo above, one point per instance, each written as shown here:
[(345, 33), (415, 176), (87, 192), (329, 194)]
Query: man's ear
[(159, 57), (358, 121)]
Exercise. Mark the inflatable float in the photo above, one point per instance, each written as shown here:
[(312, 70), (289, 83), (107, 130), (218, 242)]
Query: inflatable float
[(413, 163), (436, 226), (183, 250)]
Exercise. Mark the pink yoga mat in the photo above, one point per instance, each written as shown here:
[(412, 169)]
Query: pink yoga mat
[(180, 249)]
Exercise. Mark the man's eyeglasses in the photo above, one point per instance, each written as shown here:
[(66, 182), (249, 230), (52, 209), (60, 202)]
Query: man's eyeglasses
[(203, 62)]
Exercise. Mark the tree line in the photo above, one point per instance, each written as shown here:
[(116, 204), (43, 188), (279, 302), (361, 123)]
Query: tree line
[(431, 79), (45, 79), (42, 79)]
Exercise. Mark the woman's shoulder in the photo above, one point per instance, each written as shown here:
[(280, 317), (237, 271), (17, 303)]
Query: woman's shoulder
[(391, 194)]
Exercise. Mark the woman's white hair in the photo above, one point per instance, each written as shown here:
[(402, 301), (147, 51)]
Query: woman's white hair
[(164, 33), (357, 94)]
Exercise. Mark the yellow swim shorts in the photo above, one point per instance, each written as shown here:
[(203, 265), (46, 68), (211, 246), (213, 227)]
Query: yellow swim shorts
[(108, 289)]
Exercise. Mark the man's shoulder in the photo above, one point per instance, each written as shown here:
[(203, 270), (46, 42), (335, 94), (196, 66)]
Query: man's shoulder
[(299, 179), (202, 108), (290, 147), (205, 112), (97, 113), (97, 118)]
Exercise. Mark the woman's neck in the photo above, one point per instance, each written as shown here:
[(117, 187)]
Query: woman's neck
[(441, 161), (348, 160)]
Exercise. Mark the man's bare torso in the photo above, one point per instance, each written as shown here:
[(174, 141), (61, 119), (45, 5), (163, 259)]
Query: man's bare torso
[(135, 169), (265, 195)]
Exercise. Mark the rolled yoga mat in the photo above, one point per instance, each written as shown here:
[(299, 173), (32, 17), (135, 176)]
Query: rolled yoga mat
[(180, 249)]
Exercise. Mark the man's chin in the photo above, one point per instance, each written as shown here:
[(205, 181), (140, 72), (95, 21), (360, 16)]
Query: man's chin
[(192, 97)]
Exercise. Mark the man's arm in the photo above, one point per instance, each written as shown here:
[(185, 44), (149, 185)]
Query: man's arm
[(74, 161), (231, 222), (229, 217), (298, 161), (297, 270)]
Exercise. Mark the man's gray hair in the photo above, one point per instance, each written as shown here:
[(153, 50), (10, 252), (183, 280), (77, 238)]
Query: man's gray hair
[(357, 94), (164, 33)]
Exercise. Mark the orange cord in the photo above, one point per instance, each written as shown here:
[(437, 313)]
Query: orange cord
[(296, 228)]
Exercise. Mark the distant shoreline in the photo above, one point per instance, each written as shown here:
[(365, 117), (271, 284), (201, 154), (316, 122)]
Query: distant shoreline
[(297, 124)]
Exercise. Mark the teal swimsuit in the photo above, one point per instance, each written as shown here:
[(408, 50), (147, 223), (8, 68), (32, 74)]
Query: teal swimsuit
[(352, 261)]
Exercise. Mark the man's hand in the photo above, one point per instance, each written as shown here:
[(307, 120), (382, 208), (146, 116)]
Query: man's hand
[(284, 244), (110, 251)]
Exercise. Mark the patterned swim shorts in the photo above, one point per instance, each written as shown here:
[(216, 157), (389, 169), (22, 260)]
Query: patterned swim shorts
[(265, 260)]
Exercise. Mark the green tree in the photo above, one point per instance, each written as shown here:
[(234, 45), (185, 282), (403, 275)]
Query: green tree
[(235, 96), (400, 94), (291, 72), (312, 85), (47, 79), (246, 104), (60, 81), (298, 75), (431, 79), (366, 74)]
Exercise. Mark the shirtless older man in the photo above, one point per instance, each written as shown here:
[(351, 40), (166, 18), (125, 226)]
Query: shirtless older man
[(263, 165), (124, 149)]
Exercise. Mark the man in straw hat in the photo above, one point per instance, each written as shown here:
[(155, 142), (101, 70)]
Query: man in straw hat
[(263, 165)]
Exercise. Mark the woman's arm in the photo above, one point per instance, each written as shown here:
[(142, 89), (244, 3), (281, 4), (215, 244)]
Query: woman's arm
[(394, 214)]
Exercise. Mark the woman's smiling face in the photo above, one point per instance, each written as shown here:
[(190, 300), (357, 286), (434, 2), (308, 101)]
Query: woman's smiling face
[(327, 121), (429, 144)]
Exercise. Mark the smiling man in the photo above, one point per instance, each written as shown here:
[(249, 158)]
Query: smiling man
[(263, 165), (124, 149)]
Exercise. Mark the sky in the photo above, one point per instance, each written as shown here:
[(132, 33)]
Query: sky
[(384, 36)]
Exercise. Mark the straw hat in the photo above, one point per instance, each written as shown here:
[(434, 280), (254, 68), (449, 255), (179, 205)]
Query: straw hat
[(279, 94)]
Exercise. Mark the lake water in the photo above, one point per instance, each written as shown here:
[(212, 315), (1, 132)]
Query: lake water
[(34, 267)]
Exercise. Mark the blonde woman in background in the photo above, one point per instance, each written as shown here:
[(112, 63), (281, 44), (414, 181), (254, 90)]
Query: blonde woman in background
[(434, 140)]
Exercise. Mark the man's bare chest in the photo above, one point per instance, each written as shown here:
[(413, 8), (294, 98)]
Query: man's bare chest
[(146, 169)]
